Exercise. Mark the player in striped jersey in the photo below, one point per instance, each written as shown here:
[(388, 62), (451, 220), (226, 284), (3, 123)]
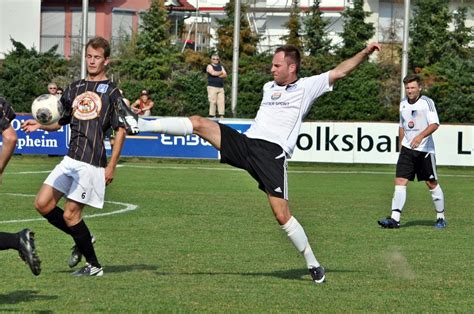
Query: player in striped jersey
[(418, 121), (23, 241), (90, 108), (264, 149)]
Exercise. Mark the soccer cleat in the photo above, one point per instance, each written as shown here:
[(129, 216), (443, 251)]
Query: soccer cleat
[(318, 274), (389, 223), (127, 117), (89, 270), (76, 255), (441, 223), (27, 251)]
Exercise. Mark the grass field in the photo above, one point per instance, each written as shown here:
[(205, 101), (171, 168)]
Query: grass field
[(198, 236)]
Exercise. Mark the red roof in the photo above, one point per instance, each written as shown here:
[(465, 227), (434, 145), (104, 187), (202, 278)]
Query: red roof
[(184, 6)]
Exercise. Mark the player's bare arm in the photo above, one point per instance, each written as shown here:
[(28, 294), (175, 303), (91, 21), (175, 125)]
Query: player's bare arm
[(347, 66), (32, 125), (114, 158), (426, 132)]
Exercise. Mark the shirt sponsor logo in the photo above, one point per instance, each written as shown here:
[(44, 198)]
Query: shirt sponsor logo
[(276, 95), (86, 106), (411, 124), (102, 88)]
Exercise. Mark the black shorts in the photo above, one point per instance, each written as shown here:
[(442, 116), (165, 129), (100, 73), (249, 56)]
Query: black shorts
[(411, 162), (7, 114), (264, 161)]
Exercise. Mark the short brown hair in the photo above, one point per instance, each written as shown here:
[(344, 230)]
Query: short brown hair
[(292, 53), (412, 78), (100, 42)]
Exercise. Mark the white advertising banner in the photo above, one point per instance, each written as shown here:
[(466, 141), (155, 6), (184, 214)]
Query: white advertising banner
[(370, 142)]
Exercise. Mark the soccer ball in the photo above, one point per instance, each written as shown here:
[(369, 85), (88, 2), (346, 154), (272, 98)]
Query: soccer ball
[(46, 109)]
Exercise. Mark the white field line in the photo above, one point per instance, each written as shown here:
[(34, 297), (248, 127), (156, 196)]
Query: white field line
[(235, 169), (126, 208)]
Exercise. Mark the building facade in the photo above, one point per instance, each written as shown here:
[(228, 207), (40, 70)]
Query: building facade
[(45, 23)]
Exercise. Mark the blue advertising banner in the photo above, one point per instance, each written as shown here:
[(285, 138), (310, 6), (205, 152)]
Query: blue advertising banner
[(142, 145), (161, 145), (40, 142)]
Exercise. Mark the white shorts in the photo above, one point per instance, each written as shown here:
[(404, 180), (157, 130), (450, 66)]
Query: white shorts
[(79, 181)]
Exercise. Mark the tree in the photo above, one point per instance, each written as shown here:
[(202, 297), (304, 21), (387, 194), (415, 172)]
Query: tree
[(356, 32), (294, 26), (461, 36), (316, 41), (225, 33), (429, 32), (154, 35), (25, 74)]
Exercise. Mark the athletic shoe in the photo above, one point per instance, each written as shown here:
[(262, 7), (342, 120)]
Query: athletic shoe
[(318, 274), (76, 255), (89, 270), (127, 117), (389, 223), (441, 223), (27, 251)]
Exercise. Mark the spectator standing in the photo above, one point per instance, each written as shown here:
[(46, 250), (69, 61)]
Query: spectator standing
[(215, 87)]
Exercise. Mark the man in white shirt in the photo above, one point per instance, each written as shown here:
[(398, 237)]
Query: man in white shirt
[(418, 120), (263, 150)]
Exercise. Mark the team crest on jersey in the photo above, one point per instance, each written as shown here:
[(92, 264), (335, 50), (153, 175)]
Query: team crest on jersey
[(102, 88), (276, 95), (411, 124), (86, 106)]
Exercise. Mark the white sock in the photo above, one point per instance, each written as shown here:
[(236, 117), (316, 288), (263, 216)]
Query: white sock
[(398, 201), (438, 200), (300, 241), (171, 126)]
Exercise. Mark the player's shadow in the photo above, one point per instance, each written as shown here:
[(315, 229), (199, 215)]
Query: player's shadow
[(121, 268), (128, 268), (19, 296), (418, 223), (289, 274)]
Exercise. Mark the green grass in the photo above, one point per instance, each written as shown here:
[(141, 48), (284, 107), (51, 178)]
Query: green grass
[(203, 239)]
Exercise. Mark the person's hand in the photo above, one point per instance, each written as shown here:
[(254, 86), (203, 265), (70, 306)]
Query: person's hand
[(416, 142), (372, 47), (30, 125), (109, 175)]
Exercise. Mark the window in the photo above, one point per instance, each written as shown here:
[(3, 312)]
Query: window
[(53, 29)]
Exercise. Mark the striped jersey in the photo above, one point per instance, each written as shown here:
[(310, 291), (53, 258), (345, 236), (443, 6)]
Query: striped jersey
[(7, 114), (415, 118), (283, 109), (90, 109)]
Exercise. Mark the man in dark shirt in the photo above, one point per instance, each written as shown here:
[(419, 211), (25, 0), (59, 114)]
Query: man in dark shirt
[(90, 109), (215, 87), (23, 241)]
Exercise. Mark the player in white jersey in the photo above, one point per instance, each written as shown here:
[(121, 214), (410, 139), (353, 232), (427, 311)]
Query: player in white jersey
[(263, 150), (418, 121)]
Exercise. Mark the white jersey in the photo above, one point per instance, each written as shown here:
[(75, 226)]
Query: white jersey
[(415, 118), (283, 109)]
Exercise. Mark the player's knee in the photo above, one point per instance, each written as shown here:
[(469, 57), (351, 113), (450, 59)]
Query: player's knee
[(9, 138), (43, 206), (198, 122), (431, 184)]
